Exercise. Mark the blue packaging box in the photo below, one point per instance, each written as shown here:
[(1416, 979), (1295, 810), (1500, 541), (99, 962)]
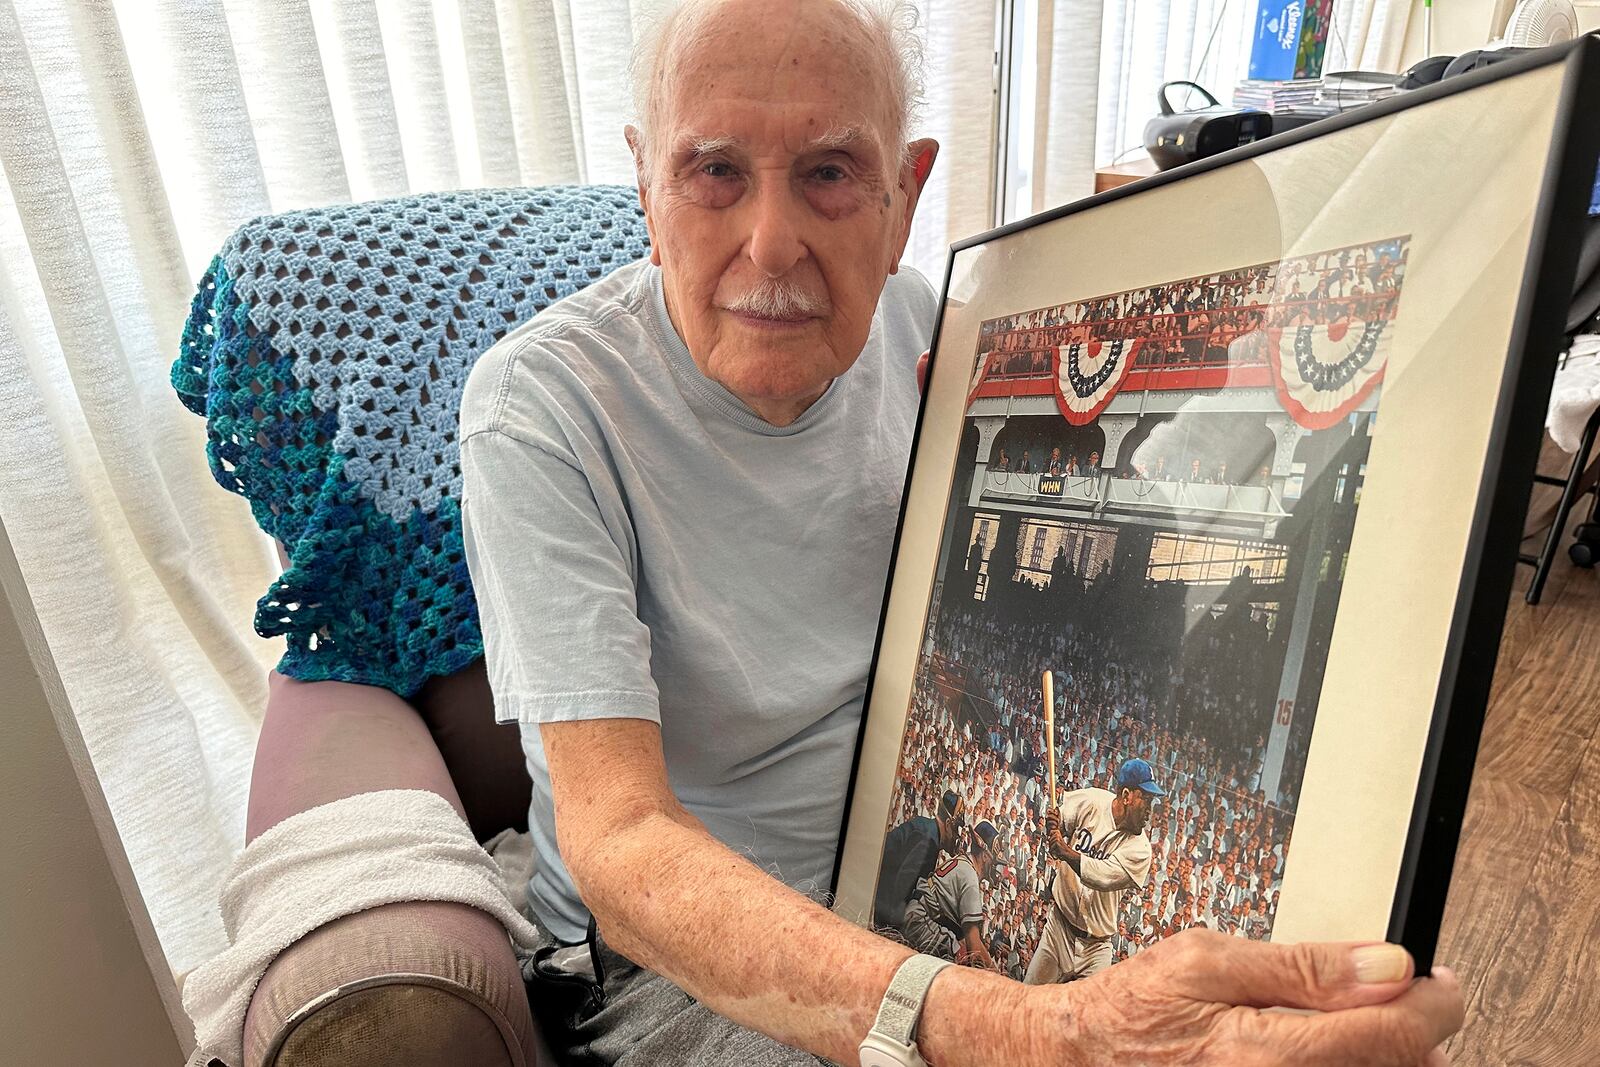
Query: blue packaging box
[(1277, 40), (1291, 36)]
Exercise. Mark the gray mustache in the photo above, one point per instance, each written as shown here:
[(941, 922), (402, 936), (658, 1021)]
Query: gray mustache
[(775, 299)]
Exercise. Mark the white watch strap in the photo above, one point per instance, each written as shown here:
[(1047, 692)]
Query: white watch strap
[(902, 1001)]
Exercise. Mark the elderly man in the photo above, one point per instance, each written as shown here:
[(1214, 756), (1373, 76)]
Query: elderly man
[(681, 490)]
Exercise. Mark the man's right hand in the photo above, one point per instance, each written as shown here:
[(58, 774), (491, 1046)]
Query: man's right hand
[(1196, 998), (1193, 998), (1059, 846)]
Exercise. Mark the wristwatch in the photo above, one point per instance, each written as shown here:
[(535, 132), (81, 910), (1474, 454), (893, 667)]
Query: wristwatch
[(892, 1040)]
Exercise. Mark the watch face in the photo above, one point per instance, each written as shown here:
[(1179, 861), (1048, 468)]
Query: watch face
[(880, 1051)]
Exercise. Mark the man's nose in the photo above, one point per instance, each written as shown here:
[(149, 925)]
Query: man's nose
[(776, 242)]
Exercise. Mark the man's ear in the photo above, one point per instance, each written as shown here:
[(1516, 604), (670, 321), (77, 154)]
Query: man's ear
[(920, 155), (641, 176)]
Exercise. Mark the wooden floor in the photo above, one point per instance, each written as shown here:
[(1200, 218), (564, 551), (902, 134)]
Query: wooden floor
[(1522, 927)]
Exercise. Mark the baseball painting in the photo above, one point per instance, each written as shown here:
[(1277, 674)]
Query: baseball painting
[(1141, 561)]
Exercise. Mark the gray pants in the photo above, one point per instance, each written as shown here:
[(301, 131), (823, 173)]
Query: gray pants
[(926, 934), (636, 1018)]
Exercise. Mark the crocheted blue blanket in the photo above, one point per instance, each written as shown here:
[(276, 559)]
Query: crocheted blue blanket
[(327, 350)]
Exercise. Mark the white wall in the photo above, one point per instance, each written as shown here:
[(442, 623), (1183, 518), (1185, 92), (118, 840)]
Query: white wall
[(1462, 25), (1458, 26), (78, 984)]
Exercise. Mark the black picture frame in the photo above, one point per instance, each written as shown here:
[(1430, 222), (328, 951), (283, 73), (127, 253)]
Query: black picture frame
[(1478, 616)]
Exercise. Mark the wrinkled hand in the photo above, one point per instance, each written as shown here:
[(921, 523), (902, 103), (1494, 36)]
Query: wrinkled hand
[(1195, 998)]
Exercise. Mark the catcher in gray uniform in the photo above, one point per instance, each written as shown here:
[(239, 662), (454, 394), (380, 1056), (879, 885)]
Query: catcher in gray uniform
[(945, 919)]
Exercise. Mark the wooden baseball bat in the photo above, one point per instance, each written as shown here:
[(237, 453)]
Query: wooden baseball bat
[(1050, 731)]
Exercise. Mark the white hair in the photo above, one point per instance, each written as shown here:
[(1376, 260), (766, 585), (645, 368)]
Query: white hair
[(887, 28)]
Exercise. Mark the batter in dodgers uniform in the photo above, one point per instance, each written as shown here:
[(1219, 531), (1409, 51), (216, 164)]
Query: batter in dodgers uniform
[(946, 917), (1101, 849)]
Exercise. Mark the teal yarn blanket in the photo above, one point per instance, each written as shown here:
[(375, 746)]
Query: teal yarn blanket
[(327, 350)]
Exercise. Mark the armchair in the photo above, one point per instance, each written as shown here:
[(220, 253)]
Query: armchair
[(327, 350)]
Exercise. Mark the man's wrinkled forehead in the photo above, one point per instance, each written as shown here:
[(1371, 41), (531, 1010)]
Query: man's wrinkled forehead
[(810, 77), (710, 136)]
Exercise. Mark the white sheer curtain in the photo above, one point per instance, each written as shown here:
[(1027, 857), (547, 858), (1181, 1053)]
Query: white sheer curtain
[(135, 135), (959, 113), (1100, 62)]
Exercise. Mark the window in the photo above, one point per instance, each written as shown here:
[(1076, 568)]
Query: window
[(1057, 121), (1087, 548), (1204, 560)]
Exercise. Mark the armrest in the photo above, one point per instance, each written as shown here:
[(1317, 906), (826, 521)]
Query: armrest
[(324, 741), (421, 983), (438, 981), (482, 761)]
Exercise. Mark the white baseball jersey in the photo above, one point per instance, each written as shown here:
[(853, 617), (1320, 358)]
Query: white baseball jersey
[(1112, 862), (953, 897)]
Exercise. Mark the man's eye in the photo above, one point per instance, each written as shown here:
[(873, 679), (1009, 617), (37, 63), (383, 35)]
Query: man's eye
[(829, 173), (716, 168)]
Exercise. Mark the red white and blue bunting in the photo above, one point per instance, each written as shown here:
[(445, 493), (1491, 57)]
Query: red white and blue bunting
[(1088, 375), (1323, 372), (979, 373)]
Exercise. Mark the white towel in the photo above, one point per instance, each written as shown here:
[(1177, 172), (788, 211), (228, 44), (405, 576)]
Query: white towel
[(1576, 393), (333, 860)]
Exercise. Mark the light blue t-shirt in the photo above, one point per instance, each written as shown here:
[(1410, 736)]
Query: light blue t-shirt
[(643, 545)]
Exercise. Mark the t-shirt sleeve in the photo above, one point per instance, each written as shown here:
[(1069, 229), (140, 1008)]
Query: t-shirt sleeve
[(549, 555)]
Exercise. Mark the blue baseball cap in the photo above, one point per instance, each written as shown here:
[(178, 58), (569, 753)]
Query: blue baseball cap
[(950, 805), (1138, 774), (987, 834)]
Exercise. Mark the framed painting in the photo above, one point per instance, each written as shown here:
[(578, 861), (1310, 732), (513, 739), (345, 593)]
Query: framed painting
[(1208, 536)]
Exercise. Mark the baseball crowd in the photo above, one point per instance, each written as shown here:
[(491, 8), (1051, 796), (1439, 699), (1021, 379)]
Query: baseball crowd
[(1197, 320), (1195, 712)]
